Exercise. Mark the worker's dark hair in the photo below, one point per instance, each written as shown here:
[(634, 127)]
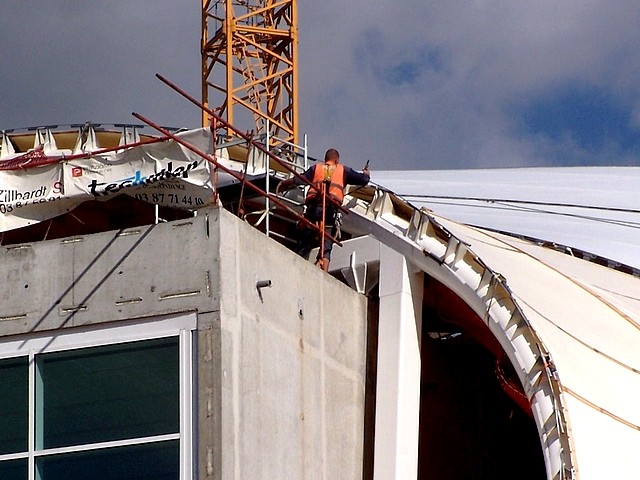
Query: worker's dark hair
[(331, 154)]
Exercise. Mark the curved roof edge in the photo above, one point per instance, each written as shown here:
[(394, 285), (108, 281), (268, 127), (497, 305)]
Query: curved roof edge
[(548, 310), (432, 247)]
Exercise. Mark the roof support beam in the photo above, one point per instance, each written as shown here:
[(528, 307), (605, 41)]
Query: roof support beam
[(399, 364)]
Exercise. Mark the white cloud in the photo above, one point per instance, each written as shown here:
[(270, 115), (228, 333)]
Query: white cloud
[(69, 62)]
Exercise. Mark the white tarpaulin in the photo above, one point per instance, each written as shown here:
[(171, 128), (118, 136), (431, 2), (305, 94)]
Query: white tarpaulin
[(164, 173)]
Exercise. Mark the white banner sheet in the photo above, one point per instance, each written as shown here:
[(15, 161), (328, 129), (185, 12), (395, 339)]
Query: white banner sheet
[(163, 173)]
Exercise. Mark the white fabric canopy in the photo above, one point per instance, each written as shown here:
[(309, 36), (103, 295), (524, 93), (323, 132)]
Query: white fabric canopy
[(595, 209), (163, 173)]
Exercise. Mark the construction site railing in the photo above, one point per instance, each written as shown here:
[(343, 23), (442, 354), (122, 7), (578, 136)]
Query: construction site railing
[(219, 122), (235, 175)]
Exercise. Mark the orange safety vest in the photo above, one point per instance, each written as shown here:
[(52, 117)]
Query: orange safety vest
[(334, 176)]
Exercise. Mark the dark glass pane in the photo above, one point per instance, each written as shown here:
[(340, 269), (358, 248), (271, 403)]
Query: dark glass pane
[(154, 461), (14, 404), (110, 393), (13, 469)]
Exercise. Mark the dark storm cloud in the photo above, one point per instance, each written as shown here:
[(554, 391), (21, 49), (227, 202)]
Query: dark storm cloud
[(407, 84), (69, 62)]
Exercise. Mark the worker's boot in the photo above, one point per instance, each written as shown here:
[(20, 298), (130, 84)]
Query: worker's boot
[(323, 263)]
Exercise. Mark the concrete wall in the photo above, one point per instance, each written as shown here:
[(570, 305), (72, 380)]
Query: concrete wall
[(293, 363), (280, 379), (139, 272)]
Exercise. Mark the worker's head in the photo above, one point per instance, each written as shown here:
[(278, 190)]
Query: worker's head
[(332, 155)]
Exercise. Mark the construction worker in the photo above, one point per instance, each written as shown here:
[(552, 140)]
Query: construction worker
[(331, 177)]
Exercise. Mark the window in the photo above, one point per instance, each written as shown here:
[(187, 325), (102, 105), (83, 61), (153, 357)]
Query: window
[(99, 404), (14, 381)]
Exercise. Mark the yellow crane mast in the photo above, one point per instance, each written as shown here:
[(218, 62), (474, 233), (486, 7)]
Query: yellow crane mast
[(249, 73)]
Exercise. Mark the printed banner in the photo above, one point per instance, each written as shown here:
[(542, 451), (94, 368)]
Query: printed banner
[(31, 196), (164, 173)]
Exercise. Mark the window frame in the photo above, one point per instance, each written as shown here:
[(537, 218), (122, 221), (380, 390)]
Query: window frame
[(182, 326)]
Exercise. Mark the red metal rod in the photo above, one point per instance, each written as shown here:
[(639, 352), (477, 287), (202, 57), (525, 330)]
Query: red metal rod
[(247, 138), (212, 160), (323, 223)]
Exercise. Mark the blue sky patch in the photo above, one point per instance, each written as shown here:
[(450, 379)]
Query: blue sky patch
[(591, 117), (396, 65), (408, 68)]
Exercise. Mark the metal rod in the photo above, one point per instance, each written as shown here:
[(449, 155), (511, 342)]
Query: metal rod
[(212, 160), (241, 199), (306, 155), (230, 127), (215, 170), (266, 179), (323, 223)]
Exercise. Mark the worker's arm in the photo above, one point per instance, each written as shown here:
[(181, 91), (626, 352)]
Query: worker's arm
[(365, 170), (285, 185), (289, 183), (356, 178)]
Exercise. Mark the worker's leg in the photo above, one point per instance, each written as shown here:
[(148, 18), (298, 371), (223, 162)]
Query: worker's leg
[(323, 263), (307, 237), (324, 257), (305, 241)]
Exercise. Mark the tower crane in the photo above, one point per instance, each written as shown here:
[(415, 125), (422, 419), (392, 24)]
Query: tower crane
[(249, 72)]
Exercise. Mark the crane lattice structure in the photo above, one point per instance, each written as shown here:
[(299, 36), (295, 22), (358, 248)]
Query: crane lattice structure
[(249, 74)]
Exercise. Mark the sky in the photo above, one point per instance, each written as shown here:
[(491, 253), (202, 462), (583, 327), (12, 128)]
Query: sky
[(408, 84)]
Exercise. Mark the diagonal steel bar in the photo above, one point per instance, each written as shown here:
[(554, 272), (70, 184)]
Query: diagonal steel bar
[(234, 174)]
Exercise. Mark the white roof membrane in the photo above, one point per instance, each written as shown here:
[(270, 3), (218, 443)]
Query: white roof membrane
[(594, 209)]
